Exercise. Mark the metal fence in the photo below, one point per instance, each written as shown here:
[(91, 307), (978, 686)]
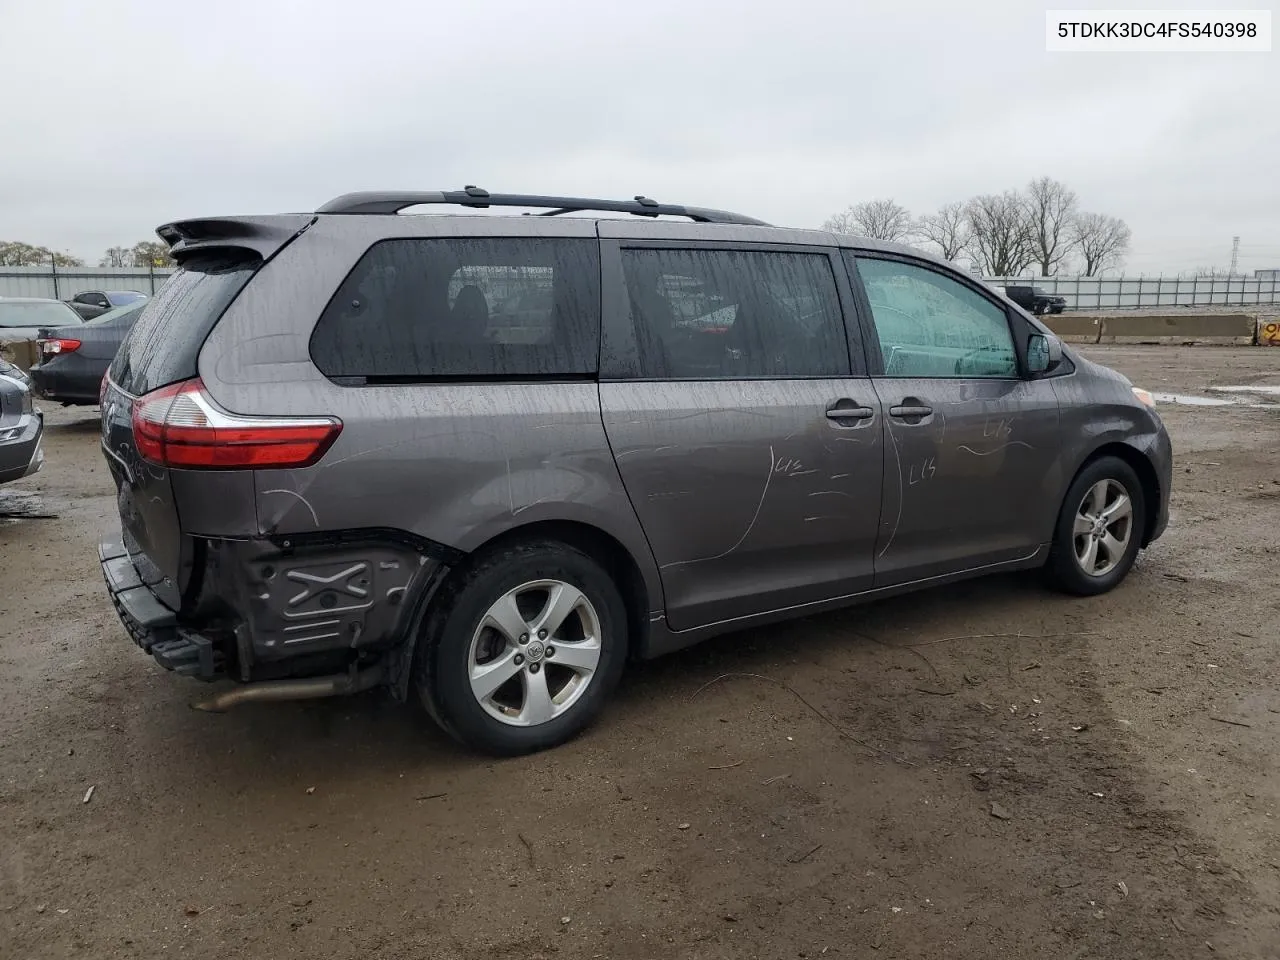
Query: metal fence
[(1103, 293), (1081, 293), (63, 283)]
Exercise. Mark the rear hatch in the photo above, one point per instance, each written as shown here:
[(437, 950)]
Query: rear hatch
[(162, 349)]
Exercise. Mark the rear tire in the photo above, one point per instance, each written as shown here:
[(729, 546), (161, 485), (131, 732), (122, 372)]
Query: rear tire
[(490, 680), (1100, 529)]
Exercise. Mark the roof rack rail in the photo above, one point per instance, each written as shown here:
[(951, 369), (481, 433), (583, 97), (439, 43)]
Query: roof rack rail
[(391, 202)]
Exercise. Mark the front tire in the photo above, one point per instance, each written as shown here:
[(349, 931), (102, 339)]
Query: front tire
[(523, 648), (1100, 529)]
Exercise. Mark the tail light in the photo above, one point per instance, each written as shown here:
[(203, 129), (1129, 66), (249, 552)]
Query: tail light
[(181, 426), (58, 345)]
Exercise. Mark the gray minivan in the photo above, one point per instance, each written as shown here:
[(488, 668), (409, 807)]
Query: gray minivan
[(488, 459)]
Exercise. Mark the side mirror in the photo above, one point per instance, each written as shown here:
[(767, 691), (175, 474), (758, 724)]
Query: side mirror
[(1044, 352)]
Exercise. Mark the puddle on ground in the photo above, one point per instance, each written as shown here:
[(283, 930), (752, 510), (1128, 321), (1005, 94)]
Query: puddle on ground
[(22, 505), (1193, 401), (1263, 390), (1184, 399)]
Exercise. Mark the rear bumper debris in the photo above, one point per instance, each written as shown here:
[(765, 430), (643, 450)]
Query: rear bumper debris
[(269, 611), (152, 625)]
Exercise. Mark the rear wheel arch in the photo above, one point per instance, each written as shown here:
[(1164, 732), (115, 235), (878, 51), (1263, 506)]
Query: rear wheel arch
[(585, 556), (602, 547)]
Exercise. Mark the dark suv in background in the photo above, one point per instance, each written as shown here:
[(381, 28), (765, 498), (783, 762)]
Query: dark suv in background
[(1036, 299), (489, 459)]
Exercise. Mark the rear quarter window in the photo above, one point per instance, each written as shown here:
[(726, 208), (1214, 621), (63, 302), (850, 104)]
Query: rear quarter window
[(417, 310), (164, 345)]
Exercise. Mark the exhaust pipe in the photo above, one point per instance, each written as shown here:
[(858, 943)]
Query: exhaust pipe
[(337, 685)]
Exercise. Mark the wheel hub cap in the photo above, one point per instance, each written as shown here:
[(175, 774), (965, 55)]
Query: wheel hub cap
[(534, 653), (1103, 527)]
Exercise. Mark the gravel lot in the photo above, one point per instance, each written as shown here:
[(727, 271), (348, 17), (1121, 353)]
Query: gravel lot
[(979, 771)]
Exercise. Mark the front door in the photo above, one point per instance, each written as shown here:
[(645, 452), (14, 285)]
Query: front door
[(970, 444), (750, 451)]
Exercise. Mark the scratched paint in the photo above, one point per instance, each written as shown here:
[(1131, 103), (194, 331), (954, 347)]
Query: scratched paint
[(897, 520), (926, 469), (300, 498), (996, 449), (773, 464)]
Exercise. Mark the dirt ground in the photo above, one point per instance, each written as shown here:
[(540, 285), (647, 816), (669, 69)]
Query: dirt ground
[(988, 770)]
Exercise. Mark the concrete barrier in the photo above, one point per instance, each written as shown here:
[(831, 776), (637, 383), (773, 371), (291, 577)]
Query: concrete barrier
[(1178, 328), (1069, 326), (21, 353)]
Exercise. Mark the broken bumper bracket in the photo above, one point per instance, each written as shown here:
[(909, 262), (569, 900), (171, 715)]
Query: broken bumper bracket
[(152, 625)]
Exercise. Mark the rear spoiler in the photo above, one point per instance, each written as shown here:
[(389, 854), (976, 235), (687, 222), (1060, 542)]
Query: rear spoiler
[(263, 236)]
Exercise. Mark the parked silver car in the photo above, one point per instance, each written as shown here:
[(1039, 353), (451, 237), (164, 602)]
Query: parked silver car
[(21, 425), (22, 317), (489, 459)]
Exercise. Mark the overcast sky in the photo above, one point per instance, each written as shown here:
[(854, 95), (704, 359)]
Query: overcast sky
[(119, 116)]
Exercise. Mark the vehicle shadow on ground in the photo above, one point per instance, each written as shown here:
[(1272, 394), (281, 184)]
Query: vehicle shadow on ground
[(372, 734), (977, 767), (91, 422)]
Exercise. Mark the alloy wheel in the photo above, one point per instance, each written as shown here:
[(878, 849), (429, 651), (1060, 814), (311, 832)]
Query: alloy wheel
[(1103, 527), (534, 652)]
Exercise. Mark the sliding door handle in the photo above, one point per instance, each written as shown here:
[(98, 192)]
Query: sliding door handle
[(839, 413)]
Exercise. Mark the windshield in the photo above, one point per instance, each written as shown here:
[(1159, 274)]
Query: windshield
[(36, 313), (119, 313)]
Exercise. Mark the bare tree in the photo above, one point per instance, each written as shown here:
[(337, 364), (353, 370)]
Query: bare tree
[(1001, 237), (841, 222), (1051, 210), (150, 253), (117, 257), (948, 228), (877, 219), (1101, 241), (14, 253)]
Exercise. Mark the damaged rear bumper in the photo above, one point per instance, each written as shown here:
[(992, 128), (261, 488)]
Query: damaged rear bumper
[(151, 624), (267, 610)]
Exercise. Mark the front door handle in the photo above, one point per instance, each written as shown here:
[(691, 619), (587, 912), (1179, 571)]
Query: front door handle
[(910, 410), (838, 412)]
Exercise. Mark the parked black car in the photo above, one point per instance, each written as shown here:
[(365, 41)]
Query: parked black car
[(1036, 300), (74, 359), (94, 303)]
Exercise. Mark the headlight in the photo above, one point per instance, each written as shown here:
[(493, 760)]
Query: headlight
[(1144, 397), (23, 385)]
